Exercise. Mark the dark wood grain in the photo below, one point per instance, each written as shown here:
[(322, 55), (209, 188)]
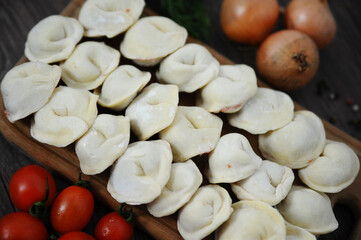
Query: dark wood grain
[(339, 66)]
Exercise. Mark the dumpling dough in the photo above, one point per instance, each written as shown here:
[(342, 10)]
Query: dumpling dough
[(270, 184), (252, 220), (194, 131), (308, 209), (233, 87), (28, 87), (297, 144), (89, 65), (140, 174), (109, 17), (190, 68), (297, 233), (232, 159), (121, 86), (105, 141), (334, 170), (66, 117), (153, 110), (267, 110), (205, 212), (53, 39), (185, 179), (150, 39)]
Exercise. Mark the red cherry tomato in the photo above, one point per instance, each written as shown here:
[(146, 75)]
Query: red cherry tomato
[(72, 209), (21, 225), (28, 185), (113, 227), (76, 235)]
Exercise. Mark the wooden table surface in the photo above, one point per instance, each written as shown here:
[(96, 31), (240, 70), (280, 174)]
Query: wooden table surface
[(340, 69)]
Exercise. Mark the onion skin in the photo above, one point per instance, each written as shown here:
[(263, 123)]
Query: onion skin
[(312, 17), (288, 59), (248, 21)]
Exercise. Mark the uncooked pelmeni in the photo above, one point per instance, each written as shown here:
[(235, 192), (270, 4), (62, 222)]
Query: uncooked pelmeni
[(109, 17), (28, 87), (121, 86), (268, 110), (185, 179), (253, 220), (297, 144), (270, 184), (66, 117), (194, 131), (308, 209), (89, 65), (140, 174), (205, 212), (104, 143), (150, 39), (334, 170), (53, 39), (152, 110), (190, 68), (227, 93), (298, 233), (232, 159)]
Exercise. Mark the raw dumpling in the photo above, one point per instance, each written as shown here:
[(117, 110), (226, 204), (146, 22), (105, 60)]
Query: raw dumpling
[(267, 110), (297, 233), (104, 143), (153, 110), (232, 159), (109, 17), (205, 212), (185, 179), (28, 87), (66, 117), (89, 65), (140, 174), (297, 144), (334, 170), (232, 88), (308, 209), (53, 39), (190, 68), (194, 131), (270, 184), (121, 86), (150, 39), (252, 220)]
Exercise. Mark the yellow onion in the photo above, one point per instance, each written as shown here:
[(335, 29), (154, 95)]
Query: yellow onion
[(312, 17), (287, 59), (248, 21)]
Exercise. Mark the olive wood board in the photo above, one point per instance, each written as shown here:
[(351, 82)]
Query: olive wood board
[(65, 161)]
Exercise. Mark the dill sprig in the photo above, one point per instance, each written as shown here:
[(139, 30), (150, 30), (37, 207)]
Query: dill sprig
[(190, 14)]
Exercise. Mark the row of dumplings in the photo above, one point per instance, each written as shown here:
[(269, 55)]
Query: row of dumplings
[(232, 158), (145, 174), (161, 173)]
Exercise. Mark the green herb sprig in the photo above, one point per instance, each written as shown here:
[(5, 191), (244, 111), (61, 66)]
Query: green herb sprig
[(190, 14)]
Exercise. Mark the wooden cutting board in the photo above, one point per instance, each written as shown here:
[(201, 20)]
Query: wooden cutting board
[(64, 160)]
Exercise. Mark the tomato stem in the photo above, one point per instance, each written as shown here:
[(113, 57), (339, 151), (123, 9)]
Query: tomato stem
[(39, 209), (55, 236), (126, 213), (300, 59), (82, 183)]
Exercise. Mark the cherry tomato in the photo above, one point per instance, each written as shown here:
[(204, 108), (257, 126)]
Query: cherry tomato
[(21, 225), (76, 235), (72, 209), (28, 185), (113, 227)]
